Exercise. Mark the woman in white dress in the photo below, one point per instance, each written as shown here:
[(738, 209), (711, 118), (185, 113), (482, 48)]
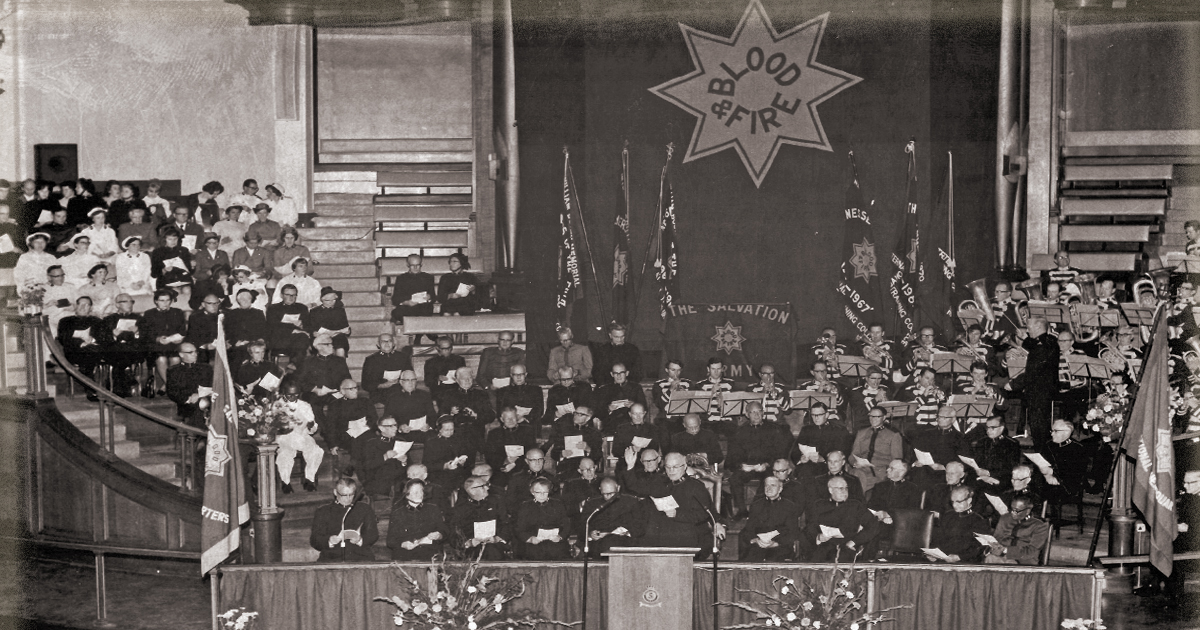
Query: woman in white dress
[(79, 262), (102, 292), (133, 271), (308, 290), (284, 210), (231, 231), (32, 265), (104, 238)]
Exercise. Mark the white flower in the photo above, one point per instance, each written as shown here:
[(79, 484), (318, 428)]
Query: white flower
[(854, 626), (806, 622), (399, 620), (808, 606), (816, 624), (791, 616), (470, 589), (499, 607), (844, 583), (783, 591), (437, 608), (472, 626)]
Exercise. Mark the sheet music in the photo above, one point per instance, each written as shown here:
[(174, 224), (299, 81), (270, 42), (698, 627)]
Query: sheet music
[(391, 375), (126, 325), (924, 457), (189, 241), (524, 411), (1042, 463), (401, 448), (831, 532), (768, 536), (84, 334), (463, 289), (357, 427), (514, 450), (418, 424), (665, 503), (987, 539), (565, 409), (997, 504), (573, 446), (807, 451), (291, 318), (970, 461), (269, 382), (862, 461), (497, 383), (485, 529), (420, 298), (641, 442), (547, 534), (936, 553)]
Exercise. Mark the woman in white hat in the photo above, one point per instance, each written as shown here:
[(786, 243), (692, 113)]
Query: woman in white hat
[(284, 210), (245, 280), (133, 270), (32, 265), (104, 239), (102, 292), (79, 262)]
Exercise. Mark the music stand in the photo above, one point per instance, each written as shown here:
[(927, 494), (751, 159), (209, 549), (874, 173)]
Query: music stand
[(951, 363), (682, 402), (971, 406), (733, 404), (803, 400), (970, 316), (897, 409), (1087, 367), (1187, 264), (1016, 364), (850, 365), (1051, 312), (1096, 317), (1138, 315)]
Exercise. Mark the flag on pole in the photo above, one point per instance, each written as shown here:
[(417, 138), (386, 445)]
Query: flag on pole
[(666, 264), (906, 259), (1148, 440), (621, 283), (935, 293), (568, 260), (860, 283), (225, 508)]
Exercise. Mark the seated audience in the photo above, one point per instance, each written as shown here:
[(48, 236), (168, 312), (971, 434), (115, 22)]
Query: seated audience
[(413, 293), (124, 348), (82, 339), (412, 408), (440, 369), (506, 446), (447, 454), (565, 396), (822, 436), (752, 449), (328, 317), (184, 380), (613, 400), (637, 434), (170, 262), (308, 289), (165, 327)]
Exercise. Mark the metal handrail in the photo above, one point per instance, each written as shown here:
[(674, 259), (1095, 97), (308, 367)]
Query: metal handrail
[(107, 396)]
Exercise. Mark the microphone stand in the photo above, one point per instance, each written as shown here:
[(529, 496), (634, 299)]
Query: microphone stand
[(716, 552), (586, 548)]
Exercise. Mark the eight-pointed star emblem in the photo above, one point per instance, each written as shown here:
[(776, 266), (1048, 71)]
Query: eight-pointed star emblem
[(218, 454), (864, 260), (756, 90), (728, 338)]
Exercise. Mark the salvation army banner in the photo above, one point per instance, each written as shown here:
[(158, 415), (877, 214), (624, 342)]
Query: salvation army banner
[(744, 336)]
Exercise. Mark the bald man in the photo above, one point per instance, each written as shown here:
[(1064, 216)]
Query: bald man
[(621, 523), (184, 381), (346, 418), (680, 514), (752, 448), (413, 293), (542, 525), (577, 490), (771, 531), (614, 399), (574, 438), (523, 396), (412, 407), (533, 467), (381, 371), (695, 439), (837, 526)]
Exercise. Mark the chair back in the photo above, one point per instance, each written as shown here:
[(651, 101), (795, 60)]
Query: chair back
[(911, 530), (1044, 557)]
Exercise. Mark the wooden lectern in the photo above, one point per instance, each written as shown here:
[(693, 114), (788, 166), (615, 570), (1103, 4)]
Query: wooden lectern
[(650, 588)]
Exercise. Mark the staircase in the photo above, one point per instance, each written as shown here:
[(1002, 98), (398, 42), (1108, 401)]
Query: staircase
[(1184, 205)]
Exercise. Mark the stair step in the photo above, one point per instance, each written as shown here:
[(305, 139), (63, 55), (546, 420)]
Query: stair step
[(433, 213), (342, 245), (422, 239), (346, 210), (361, 298), (426, 178), (346, 271), (422, 200), (366, 220), (322, 199), (362, 342), (344, 176), (334, 233), (350, 284), (366, 313), (348, 187), (94, 432), (372, 328), (346, 257)]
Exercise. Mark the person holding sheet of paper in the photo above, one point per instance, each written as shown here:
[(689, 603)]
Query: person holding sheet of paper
[(542, 526), (252, 375), (185, 380), (417, 528), (381, 370), (439, 369), (620, 524), (413, 293), (531, 468), (996, 454), (565, 395), (447, 454), (171, 262), (495, 362), (308, 289), (818, 437), (133, 268), (506, 446), (83, 339), (299, 439), (681, 512), (59, 299), (938, 496), (254, 257), (1066, 476), (346, 417), (411, 407), (835, 468), (770, 533), (577, 490), (894, 493), (320, 376), (752, 448), (521, 395), (123, 345), (102, 292), (572, 439), (244, 324), (469, 404), (694, 440), (837, 526), (936, 446), (202, 327), (164, 329), (1023, 483), (617, 350), (382, 458), (479, 522), (457, 290), (568, 354), (1020, 536), (614, 399), (328, 317), (184, 226), (79, 262), (345, 530), (634, 436), (956, 530), (874, 449), (287, 321)]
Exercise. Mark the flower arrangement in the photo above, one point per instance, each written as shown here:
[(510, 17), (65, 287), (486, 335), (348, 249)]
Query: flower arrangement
[(1107, 417), (261, 419), (31, 298), (838, 605), (1083, 624), (460, 598), (238, 619)]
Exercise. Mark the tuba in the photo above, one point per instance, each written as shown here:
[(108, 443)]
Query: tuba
[(1087, 288), (1032, 289), (980, 301)]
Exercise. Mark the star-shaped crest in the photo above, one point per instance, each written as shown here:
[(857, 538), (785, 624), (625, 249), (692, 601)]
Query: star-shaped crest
[(217, 455), (728, 338), (864, 260), (756, 90)]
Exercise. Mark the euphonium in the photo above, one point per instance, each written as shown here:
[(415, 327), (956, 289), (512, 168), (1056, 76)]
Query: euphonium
[(1087, 288), (978, 290), (1032, 289)]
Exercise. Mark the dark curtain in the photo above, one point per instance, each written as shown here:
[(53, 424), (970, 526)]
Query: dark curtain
[(742, 578)]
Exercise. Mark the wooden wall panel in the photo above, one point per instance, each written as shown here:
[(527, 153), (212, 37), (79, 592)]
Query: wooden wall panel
[(130, 524), (64, 508)]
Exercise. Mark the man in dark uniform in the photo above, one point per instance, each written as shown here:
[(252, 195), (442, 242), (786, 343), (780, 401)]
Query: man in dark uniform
[(647, 478), (447, 455), (202, 327), (663, 388), (124, 347), (345, 530), (637, 434), (82, 339), (469, 405), (566, 395), (680, 516), (997, 454), (435, 493), (286, 321), (322, 375), (617, 351), (895, 492), (532, 468), (793, 488), (614, 399), (346, 418), (496, 362), (752, 448), (955, 531), (578, 490), (938, 496), (837, 527), (567, 455), (613, 519), (943, 443), (380, 464), (525, 398), (506, 446), (1039, 381), (413, 293), (438, 368), (835, 468), (771, 531), (862, 399), (543, 526), (1023, 483), (381, 371), (252, 370), (1069, 460), (822, 435), (693, 440), (417, 528), (184, 381), (407, 404), (480, 522)]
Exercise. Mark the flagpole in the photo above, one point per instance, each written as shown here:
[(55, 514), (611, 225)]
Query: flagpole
[(654, 242), (587, 244)]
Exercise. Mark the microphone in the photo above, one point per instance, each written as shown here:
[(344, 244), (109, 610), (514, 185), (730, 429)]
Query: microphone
[(713, 519), (587, 533)]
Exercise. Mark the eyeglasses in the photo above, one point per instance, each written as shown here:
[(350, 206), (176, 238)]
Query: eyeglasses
[(616, 373), (766, 374), (566, 380), (1016, 478), (780, 470), (535, 459), (680, 467), (207, 303), (187, 352), (484, 485), (387, 426), (652, 461)]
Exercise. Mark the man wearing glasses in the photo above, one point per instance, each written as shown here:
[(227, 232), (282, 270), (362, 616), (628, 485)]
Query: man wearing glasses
[(447, 455), (752, 448), (874, 450), (531, 469), (1069, 461), (576, 491), (479, 522), (1020, 537), (411, 407), (521, 395), (202, 327), (573, 439), (864, 398), (776, 400), (565, 396), (648, 478), (680, 516), (124, 347), (345, 530), (997, 454), (382, 465), (894, 493), (495, 362), (837, 526), (286, 321), (621, 523), (542, 525), (388, 362), (59, 298), (184, 381), (823, 436), (771, 532), (470, 405), (618, 350), (822, 373), (438, 369), (632, 437), (1023, 484), (506, 446), (955, 532), (322, 375), (614, 400), (349, 413)]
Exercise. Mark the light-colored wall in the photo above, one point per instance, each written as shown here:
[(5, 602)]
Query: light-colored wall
[(173, 89)]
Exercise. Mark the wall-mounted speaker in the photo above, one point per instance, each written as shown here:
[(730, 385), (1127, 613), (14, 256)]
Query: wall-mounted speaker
[(56, 162)]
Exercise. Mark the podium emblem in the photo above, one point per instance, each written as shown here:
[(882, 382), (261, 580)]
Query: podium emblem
[(650, 598)]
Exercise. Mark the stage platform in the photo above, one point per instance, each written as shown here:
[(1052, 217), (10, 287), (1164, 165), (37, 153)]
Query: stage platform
[(323, 596)]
